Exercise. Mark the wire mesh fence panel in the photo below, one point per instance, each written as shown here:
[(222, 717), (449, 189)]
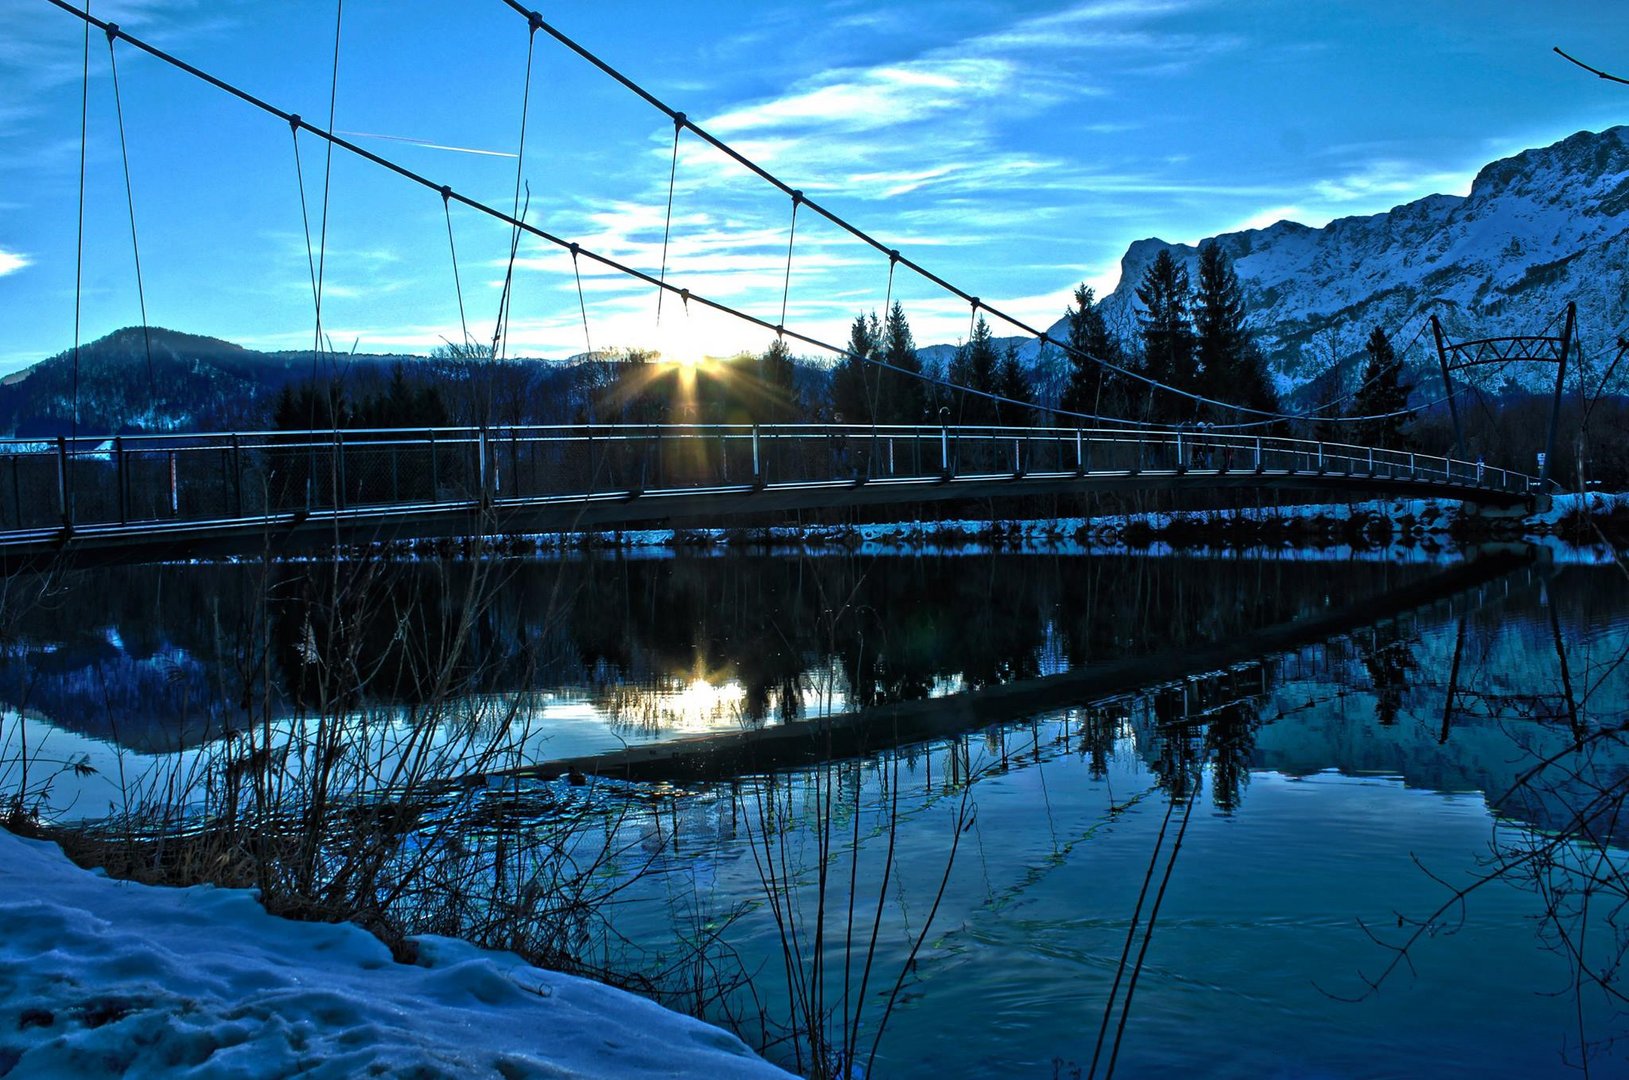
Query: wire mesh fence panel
[(32, 497)]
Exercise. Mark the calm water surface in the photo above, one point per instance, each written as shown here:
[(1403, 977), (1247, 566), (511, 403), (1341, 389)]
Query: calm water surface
[(1265, 836)]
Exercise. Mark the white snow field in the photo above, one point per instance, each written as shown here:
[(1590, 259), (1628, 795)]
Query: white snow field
[(102, 978)]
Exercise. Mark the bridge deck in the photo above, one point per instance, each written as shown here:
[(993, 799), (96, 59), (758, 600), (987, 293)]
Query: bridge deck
[(176, 496)]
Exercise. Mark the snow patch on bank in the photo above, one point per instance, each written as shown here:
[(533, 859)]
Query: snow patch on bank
[(104, 978)]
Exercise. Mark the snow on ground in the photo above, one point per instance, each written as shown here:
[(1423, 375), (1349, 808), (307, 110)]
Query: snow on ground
[(103, 978)]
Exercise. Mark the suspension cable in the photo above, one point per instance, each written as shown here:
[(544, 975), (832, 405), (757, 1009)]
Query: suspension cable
[(518, 223), (680, 120)]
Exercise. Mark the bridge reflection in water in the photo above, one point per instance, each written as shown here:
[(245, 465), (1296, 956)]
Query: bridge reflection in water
[(237, 490)]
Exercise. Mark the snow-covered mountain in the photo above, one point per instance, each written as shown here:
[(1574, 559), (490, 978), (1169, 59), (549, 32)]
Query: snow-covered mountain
[(1537, 230)]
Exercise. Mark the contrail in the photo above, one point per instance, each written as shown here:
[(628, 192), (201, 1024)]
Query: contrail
[(431, 145)]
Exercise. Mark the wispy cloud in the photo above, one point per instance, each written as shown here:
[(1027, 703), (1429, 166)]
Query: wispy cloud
[(879, 97), (1383, 178), (12, 261)]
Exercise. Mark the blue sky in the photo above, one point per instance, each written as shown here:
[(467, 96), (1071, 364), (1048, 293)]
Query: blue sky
[(1015, 148)]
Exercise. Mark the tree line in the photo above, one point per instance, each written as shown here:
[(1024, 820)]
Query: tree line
[(1191, 359)]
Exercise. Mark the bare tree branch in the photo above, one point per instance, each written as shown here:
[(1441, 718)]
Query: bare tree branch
[(1596, 71)]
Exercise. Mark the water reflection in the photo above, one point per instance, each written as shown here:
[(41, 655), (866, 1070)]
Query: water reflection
[(1282, 869), (1419, 813), (164, 657)]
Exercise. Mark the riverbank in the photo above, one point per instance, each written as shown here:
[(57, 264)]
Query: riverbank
[(1593, 526)]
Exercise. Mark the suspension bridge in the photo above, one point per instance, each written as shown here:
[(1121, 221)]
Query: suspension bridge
[(174, 494)]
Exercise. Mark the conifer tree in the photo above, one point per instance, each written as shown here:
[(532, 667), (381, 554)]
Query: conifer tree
[(1382, 394), (855, 375), (1231, 366), (1168, 338), (1092, 388), (904, 400), (1013, 384), (974, 367), (777, 381)]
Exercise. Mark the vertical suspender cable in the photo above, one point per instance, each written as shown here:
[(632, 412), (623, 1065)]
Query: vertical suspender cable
[(791, 238), (504, 299), (667, 225), (582, 304), (130, 201), (327, 176), (79, 255), (458, 284)]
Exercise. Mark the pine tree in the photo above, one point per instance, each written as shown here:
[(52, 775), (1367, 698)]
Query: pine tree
[(1092, 388), (777, 381), (854, 377), (974, 368), (904, 400), (1218, 315), (1231, 365), (1382, 394), (1168, 339), (1012, 383)]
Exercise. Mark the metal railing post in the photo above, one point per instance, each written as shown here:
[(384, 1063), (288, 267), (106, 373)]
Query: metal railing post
[(62, 480), (435, 471), (120, 480), (237, 474), (757, 464), (339, 470), (481, 468), (1080, 452), (175, 489), (944, 451)]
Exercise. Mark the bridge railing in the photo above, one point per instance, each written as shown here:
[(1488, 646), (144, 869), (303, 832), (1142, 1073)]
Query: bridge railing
[(132, 479)]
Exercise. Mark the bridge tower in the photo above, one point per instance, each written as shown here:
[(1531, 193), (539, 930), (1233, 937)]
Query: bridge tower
[(1544, 348)]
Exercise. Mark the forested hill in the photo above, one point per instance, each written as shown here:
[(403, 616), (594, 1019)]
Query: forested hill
[(165, 380)]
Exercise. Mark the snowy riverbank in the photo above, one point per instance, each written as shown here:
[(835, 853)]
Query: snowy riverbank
[(104, 978), (1395, 530)]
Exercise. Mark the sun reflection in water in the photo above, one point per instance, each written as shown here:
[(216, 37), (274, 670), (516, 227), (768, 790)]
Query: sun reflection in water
[(680, 705)]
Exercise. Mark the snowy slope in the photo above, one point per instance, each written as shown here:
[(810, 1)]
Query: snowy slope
[(1537, 230), (100, 978)]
